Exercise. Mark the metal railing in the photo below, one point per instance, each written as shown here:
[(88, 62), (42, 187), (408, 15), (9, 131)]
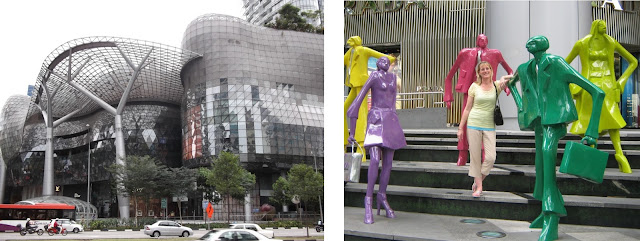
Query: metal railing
[(256, 218), (421, 99), (426, 97)]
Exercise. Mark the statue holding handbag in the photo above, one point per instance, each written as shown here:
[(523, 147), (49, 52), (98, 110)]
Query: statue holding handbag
[(384, 134), (546, 107)]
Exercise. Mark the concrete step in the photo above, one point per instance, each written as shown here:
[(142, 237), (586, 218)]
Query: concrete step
[(584, 210), (429, 227), (506, 177), (505, 155), (529, 142), (625, 134)]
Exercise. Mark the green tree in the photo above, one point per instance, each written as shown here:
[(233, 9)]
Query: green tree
[(313, 15), (301, 180), (280, 188), (290, 19), (138, 179), (305, 182), (177, 182), (229, 178)]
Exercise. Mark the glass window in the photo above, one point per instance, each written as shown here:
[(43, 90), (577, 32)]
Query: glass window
[(247, 236)]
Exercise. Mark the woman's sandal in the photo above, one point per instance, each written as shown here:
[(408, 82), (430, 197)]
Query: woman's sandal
[(477, 194), (473, 187)]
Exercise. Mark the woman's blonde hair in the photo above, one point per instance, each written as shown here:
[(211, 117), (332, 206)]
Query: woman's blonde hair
[(478, 78)]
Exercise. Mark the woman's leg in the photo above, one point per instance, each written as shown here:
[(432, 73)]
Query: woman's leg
[(387, 161), (489, 143), (552, 201), (623, 163), (374, 153), (475, 140)]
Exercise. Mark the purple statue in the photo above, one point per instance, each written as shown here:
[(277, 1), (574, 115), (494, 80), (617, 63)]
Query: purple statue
[(384, 133), (466, 61)]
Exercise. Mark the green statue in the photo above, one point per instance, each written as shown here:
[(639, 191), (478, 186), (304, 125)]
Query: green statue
[(546, 107), (596, 58)]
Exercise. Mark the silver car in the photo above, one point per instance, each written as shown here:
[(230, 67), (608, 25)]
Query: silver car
[(235, 234), (70, 225), (254, 227), (167, 228)]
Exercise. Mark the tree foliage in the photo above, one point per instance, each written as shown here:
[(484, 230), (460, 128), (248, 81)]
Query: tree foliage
[(138, 179), (229, 178), (290, 19), (280, 188), (301, 180), (177, 182), (144, 178)]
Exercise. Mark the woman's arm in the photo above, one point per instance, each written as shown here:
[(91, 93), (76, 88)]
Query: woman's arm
[(353, 110), (465, 115), (633, 63), (502, 82)]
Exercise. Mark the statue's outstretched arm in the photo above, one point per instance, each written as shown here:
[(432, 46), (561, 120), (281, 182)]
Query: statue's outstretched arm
[(352, 113), (597, 95), (575, 51), (377, 55), (509, 72), (448, 90), (514, 90)]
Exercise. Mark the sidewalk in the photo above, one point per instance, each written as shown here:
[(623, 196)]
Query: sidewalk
[(422, 226)]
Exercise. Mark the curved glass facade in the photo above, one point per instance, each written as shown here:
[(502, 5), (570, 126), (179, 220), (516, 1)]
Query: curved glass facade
[(12, 119), (256, 91)]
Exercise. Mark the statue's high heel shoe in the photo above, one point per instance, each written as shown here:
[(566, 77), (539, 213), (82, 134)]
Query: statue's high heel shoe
[(368, 212), (381, 198), (623, 163)]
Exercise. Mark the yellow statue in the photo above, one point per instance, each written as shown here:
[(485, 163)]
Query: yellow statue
[(596, 57), (356, 60)]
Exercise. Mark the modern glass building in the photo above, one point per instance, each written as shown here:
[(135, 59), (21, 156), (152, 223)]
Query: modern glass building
[(257, 92), (260, 12), (233, 86)]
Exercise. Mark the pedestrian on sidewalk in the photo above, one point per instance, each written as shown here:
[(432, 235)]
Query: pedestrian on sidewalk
[(477, 116), (384, 133)]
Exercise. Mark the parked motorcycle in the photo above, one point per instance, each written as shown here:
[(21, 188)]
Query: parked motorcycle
[(51, 231), (320, 226), (31, 230)]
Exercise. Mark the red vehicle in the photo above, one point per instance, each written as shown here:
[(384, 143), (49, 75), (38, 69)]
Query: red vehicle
[(51, 231), (13, 216)]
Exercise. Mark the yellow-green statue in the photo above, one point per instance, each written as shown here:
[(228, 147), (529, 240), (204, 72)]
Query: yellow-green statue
[(596, 57), (356, 60), (546, 107)]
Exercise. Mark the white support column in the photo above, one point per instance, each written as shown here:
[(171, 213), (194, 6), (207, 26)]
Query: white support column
[(47, 179), (3, 175), (247, 208)]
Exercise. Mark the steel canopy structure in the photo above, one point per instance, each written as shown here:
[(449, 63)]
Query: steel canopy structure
[(106, 73), (87, 73)]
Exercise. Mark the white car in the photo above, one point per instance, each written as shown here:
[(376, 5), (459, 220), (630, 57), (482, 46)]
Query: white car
[(167, 228), (70, 225), (254, 227), (235, 234)]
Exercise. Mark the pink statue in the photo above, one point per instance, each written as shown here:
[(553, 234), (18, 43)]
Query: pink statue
[(466, 62)]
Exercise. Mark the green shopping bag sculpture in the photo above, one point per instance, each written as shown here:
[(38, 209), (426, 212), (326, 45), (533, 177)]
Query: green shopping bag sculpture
[(546, 107)]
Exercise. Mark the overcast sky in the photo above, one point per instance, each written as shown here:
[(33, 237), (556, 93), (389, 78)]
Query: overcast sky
[(30, 30)]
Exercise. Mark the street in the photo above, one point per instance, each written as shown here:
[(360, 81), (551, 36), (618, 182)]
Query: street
[(279, 233)]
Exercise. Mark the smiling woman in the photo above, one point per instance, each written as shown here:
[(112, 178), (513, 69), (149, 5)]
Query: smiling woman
[(478, 118)]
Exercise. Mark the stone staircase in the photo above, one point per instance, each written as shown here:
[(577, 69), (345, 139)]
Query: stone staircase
[(426, 179)]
